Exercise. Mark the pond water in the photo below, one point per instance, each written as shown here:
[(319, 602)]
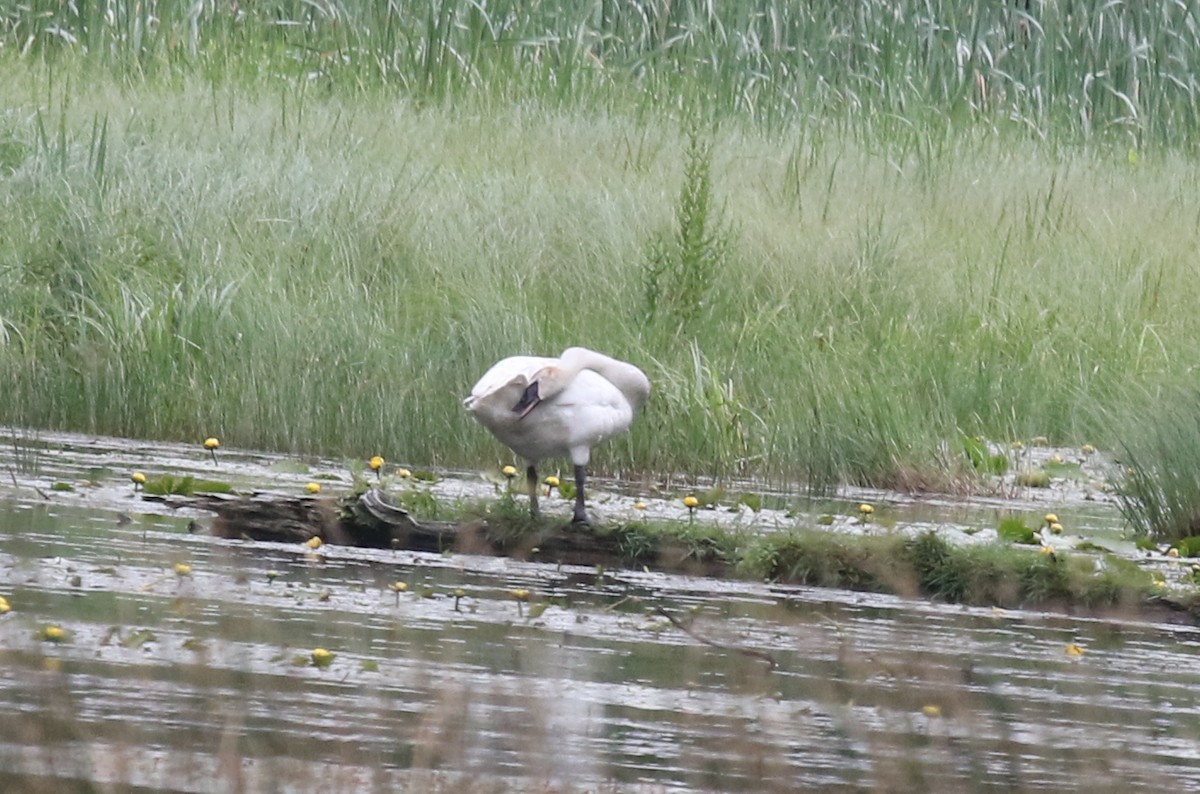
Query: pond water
[(205, 682)]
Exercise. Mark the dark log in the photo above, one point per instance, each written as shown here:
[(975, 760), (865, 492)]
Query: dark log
[(372, 520)]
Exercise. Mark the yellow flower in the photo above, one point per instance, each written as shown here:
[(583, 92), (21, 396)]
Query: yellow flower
[(866, 509), (932, 710), (321, 657), (403, 473), (183, 569), (376, 463), (272, 575), (4, 606), (1087, 449), (1056, 528), (138, 479), (399, 587), (552, 481), (1017, 445), (509, 471), (520, 594), (1073, 650), (1172, 552), (1039, 441), (313, 487), (639, 505), (53, 634), (1051, 518), (211, 443), (1056, 458), (313, 543), (690, 502), (1047, 549)]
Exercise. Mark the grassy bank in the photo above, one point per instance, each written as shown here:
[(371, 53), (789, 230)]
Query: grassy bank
[(923, 565), (203, 243)]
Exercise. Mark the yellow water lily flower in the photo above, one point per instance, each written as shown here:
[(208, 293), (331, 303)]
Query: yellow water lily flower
[(183, 569), (1087, 449), (399, 587), (321, 657), (1172, 552), (313, 487), (1056, 528), (53, 634), (1073, 650), (403, 473), (519, 593), (313, 543), (211, 443), (1051, 518), (552, 481), (509, 471), (866, 509), (639, 505), (931, 710), (690, 502), (138, 480), (5, 607)]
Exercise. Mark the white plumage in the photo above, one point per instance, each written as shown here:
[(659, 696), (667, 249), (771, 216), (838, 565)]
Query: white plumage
[(558, 408)]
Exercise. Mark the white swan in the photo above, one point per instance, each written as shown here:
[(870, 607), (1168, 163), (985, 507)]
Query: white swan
[(558, 408)]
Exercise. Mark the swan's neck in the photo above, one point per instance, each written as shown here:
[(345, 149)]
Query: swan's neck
[(628, 379)]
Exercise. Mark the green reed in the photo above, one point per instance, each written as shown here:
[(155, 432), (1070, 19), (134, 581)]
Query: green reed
[(1106, 69)]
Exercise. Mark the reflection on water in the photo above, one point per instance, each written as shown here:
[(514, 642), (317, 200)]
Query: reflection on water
[(202, 682)]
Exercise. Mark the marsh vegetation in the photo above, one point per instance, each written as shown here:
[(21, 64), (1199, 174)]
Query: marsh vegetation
[(839, 238)]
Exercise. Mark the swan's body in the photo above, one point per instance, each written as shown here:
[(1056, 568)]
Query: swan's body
[(558, 408)]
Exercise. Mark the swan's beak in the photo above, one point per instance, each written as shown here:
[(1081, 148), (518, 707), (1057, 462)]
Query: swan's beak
[(529, 400)]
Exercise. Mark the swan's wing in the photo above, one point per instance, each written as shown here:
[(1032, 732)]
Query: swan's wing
[(507, 370), (592, 409)]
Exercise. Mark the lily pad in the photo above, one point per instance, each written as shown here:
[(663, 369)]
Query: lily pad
[(183, 486), (1013, 530)]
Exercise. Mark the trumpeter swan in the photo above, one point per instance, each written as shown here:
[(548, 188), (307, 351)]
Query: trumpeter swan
[(558, 408)]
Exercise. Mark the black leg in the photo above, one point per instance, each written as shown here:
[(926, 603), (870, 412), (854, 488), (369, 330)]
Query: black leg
[(531, 479), (580, 510)]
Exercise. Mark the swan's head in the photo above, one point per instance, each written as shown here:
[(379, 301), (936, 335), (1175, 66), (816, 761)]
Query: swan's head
[(544, 385)]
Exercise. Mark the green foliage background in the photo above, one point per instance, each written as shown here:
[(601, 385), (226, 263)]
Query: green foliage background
[(837, 236)]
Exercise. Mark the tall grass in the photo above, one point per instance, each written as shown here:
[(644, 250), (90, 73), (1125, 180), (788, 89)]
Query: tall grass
[(331, 276), (240, 227), (1160, 496)]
